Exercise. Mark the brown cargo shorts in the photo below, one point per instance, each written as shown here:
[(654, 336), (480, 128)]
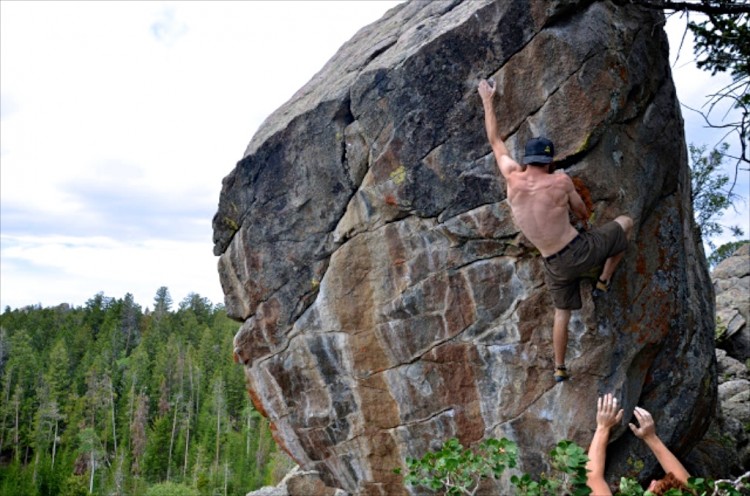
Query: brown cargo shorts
[(587, 251)]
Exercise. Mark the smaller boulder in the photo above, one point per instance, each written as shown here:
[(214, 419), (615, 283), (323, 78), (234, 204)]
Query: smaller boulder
[(299, 483), (308, 483), (731, 279), (269, 491)]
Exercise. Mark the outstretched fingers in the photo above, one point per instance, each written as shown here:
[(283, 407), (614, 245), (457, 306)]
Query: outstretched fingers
[(609, 403), (607, 411)]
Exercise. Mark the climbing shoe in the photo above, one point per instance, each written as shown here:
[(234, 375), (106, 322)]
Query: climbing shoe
[(603, 286), (561, 373)]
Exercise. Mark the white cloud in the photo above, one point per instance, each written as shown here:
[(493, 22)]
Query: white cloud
[(119, 121), (66, 269), (167, 29)]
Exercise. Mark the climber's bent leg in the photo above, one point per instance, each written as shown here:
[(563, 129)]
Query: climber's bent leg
[(616, 241)]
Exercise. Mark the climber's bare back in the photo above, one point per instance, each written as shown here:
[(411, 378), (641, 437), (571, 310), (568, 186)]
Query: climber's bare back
[(540, 203)]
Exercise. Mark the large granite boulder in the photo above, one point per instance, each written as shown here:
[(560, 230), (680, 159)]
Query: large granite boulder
[(387, 300)]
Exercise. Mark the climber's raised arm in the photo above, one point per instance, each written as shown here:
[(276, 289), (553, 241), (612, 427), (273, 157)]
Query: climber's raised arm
[(504, 161)]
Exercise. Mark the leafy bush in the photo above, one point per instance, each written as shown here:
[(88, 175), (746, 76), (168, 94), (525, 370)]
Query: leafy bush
[(454, 470), (75, 485), (171, 489), (458, 470)]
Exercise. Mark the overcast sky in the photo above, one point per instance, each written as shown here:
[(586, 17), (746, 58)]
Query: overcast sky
[(118, 121)]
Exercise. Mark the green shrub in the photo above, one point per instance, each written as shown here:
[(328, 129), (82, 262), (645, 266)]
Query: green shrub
[(171, 489), (75, 485), (458, 470)]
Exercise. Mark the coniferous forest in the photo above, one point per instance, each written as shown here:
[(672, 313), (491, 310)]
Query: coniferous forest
[(111, 399)]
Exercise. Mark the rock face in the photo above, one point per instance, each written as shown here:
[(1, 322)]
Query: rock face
[(387, 300), (732, 285), (725, 450)]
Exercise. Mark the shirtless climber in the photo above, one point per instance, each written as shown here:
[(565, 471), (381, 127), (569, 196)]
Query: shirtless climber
[(540, 203)]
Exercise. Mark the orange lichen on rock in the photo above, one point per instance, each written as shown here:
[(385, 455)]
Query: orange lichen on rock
[(640, 264), (257, 403), (584, 193), (280, 442)]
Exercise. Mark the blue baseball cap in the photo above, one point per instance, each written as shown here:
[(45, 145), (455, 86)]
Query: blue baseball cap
[(539, 151)]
